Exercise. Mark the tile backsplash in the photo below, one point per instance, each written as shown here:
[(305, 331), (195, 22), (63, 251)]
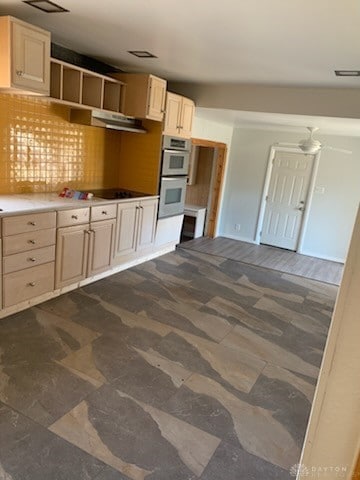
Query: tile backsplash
[(40, 151)]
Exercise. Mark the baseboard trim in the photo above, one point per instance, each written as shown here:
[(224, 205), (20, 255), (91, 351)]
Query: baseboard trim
[(234, 237), (322, 257), (302, 252)]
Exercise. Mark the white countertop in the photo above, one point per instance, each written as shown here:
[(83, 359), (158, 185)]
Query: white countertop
[(27, 202), (191, 208)]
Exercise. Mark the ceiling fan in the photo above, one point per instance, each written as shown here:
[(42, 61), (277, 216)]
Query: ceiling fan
[(312, 146)]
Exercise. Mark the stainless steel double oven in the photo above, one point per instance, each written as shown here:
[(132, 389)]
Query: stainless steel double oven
[(174, 171)]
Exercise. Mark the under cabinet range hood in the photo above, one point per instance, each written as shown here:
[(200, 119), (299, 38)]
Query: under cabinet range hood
[(99, 118)]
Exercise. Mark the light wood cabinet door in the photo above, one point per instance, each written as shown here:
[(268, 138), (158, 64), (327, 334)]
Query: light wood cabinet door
[(126, 228), (172, 114), (186, 117), (101, 249), (72, 248), (179, 115), (147, 224), (30, 58), (145, 95), (157, 96)]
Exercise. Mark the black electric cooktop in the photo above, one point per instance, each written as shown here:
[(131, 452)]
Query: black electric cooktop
[(114, 193)]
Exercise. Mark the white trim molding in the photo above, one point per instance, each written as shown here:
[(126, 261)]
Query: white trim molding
[(236, 237), (323, 257)]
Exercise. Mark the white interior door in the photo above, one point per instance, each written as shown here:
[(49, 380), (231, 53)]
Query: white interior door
[(286, 199)]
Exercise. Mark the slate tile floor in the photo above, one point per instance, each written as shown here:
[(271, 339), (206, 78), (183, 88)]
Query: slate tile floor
[(189, 366)]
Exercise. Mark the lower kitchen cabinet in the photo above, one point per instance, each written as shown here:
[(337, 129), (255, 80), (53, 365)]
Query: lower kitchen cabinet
[(28, 256), (125, 242), (29, 283), (136, 225), (46, 251), (83, 251), (72, 247), (101, 247), (147, 224)]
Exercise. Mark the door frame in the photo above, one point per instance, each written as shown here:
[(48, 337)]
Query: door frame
[(295, 149), (217, 181)]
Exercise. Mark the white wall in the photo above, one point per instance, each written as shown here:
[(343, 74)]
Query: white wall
[(209, 130), (331, 215)]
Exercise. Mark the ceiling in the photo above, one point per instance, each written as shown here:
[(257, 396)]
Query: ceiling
[(281, 122), (278, 42)]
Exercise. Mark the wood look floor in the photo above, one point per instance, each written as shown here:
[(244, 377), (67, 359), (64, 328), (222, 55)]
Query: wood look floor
[(186, 367), (269, 257)]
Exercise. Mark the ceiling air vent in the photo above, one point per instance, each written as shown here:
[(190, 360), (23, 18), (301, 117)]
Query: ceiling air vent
[(142, 54), (45, 6), (347, 73)]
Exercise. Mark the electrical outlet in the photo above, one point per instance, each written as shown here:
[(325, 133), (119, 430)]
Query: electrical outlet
[(237, 227)]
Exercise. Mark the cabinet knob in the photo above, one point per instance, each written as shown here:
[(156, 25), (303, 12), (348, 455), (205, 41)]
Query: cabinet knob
[(32, 259), (19, 73), (32, 242), (75, 217), (31, 284), (104, 212), (32, 224)]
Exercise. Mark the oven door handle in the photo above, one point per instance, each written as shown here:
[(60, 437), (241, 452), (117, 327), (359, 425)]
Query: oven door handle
[(173, 179), (168, 150)]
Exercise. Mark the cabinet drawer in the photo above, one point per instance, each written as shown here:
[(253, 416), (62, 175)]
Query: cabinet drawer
[(28, 241), (20, 261), (28, 223), (29, 283), (103, 212), (76, 216)]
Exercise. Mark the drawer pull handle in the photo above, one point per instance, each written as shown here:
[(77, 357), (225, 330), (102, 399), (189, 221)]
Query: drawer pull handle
[(31, 284), (32, 224), (32, 259), (104, 212), (32, 242), (75, 217)]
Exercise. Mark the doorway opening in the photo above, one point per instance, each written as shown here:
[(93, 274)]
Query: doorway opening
[(286, 199), (204, 188)]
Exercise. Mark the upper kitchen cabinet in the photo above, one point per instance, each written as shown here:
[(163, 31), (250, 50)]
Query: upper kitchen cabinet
[(179, 113), (145, 95), (24, 57)]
